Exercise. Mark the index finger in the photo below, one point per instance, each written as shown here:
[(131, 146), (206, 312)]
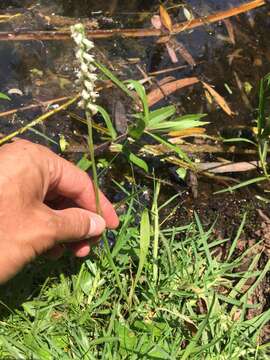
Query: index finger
[(71, 182)]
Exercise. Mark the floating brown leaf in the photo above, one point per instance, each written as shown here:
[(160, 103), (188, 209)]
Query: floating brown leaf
[(165, 18), (219, 99), (164, 90), (178, 46)]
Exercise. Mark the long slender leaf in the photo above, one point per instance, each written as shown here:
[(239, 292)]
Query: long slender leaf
[(108, 121), (142, 95), (144, 249), (239, 232), (243, 184), (261, 118), (114, 79), (159, 115), (171, 146), (177, 125)]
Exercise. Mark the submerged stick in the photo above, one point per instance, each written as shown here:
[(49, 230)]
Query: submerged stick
[(133, 33), (39, 120), (33, 106)]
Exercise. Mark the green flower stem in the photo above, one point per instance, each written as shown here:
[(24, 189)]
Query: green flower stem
[(93, 160)]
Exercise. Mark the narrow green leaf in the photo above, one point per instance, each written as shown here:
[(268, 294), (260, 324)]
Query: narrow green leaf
[(114, 79), (171, 146), (138, 161), (233, 140), (192, 344), (108, 121), (243, 184), (84, 163), (114, 267), (142, 95), (144, 249), (261, 118), (4, 96), (160, 115), (239, 232), (176, 125)]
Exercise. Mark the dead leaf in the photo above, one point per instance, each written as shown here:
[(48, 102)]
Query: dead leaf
[(165, 18), (164, 90), (171, 53), (219, 99), (234, 55), (120, 117), (156, 21), (208, 97), (178, 46), (187, 132), (230, 29), (220, 168), (166, 79)]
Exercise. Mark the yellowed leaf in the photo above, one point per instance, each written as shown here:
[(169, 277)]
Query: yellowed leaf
[(208, 97), (165, 18), (187, 132), (219, 99)]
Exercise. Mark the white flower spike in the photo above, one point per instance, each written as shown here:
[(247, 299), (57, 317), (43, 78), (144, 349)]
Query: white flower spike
[(86, 76)]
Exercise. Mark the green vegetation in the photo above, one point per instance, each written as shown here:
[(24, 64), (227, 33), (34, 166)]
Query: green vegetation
[(176, 300), (262, 139)]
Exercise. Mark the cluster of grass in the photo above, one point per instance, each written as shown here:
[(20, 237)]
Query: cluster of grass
[(160, 293)]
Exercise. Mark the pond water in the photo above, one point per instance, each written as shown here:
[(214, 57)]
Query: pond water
[(208, 45), (38, 71)]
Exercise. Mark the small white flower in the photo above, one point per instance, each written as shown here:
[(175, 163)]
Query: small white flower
[(88, 57), (93, 108), (84, 68), (86, 95), (86, 76), (89, 44)]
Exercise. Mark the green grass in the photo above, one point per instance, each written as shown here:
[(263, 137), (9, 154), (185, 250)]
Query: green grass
[(161, 294)]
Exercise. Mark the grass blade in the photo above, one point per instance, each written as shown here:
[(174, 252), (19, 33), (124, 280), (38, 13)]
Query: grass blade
[(243, 184), (156, 232), (144, 249)]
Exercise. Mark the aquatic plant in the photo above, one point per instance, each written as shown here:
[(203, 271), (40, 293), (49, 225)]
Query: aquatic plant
[(261, 142)]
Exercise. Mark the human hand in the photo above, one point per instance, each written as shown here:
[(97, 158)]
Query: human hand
[(31, 178)]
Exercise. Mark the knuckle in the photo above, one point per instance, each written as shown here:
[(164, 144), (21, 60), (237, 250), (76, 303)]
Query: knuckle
[(51, 228), (82, 224)]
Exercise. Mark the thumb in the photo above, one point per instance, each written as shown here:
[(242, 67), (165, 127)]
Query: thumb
[(77, 224)]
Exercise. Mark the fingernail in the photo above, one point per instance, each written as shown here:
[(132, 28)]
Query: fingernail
[(97, 225)]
